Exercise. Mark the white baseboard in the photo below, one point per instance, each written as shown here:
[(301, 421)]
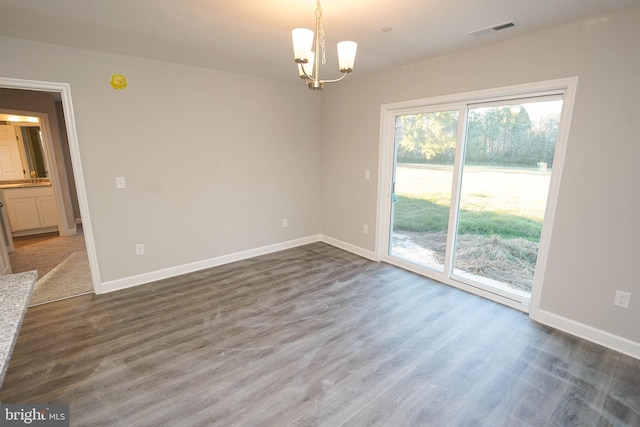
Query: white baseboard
[(69, 231), (128, 282), (606, 339), (348, 247)]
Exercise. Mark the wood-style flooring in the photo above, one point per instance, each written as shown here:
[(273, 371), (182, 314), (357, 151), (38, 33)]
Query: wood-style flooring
[(312, 336)]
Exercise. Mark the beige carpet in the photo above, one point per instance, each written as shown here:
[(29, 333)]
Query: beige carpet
[(70, 278), (44, 255), (62, 265)]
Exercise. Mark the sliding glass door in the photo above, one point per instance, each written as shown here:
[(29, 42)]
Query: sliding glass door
[(506, 170), (422, 191), (469, 190)]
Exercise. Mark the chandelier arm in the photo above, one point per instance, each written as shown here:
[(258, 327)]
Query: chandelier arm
[(344, 74), (306, 76)]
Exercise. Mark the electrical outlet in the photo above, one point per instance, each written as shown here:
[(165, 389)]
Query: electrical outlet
[(140, 249), (285, 222), (365, 228), (622, 299)]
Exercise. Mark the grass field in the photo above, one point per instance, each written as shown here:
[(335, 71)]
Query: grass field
[(505, 202)]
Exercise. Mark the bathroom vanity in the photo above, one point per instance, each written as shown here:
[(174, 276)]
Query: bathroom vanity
[(30, 207)]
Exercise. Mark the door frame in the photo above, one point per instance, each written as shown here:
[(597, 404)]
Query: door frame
[(64, 89), (388, 112)]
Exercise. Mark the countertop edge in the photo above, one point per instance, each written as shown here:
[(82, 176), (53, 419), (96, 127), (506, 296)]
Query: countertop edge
[(15, 293)]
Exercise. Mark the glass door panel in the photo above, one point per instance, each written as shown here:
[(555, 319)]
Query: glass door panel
[(425, 146), (505, 178)]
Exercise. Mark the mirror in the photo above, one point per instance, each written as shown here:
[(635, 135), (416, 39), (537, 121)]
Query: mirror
[(29, 145), (34, 151)]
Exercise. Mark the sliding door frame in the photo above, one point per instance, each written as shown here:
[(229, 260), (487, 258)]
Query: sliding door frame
[(567, 87)]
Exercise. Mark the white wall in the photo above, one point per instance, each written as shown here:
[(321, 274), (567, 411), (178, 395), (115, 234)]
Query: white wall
[(213, 161), (596, 236)]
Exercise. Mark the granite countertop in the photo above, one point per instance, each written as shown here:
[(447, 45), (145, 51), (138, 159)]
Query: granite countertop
[(15, 292)]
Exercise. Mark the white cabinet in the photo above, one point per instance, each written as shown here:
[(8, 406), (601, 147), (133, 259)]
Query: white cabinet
[(31, 209)]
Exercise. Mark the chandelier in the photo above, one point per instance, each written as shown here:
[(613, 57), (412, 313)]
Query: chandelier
[(306, 49)]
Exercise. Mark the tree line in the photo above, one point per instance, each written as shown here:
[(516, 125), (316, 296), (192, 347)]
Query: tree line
[(500, 136)]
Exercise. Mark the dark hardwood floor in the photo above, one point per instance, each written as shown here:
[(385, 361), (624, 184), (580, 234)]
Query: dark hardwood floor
[(312, 336)]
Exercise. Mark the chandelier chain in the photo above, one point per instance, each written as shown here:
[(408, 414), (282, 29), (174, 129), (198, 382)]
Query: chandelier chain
[(321, 37)]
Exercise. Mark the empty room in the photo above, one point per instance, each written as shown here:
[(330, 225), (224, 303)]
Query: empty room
[(418, 213)]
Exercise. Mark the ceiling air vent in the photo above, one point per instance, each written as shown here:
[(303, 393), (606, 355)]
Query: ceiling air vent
[(493, 28)]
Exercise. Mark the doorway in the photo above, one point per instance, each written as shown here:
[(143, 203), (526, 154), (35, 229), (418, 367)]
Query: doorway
[(469, 187), (61, 93)]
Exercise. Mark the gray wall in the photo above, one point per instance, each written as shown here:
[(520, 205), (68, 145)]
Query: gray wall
[(64, 142), (596, 235), (213, 161)]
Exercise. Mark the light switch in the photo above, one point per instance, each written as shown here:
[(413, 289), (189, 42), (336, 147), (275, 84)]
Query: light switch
[(367, 175), (120, 184)]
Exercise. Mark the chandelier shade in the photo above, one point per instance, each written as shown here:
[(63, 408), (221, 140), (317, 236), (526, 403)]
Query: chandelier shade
[(346, 56), (306, 68), (309, 52), (302, 43)]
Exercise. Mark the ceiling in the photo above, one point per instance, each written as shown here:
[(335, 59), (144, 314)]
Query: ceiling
[(254, 36)]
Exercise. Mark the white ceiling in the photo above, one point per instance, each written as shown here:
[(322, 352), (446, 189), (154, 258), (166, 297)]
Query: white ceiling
[(254, 36)]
